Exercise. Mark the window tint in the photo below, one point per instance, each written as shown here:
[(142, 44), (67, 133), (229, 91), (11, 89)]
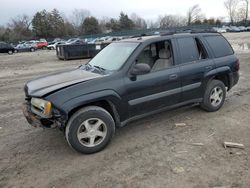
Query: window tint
[(188, 49), (219, 45)]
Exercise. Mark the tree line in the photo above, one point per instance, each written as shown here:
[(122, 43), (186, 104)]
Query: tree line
[(53, 24)]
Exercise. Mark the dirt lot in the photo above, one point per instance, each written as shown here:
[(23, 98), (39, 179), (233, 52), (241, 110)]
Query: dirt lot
[(150, 152)]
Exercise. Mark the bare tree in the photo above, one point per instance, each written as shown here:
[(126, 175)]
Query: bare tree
[(20, 27), (246, 10), (171, 21), (151, 24), (21, 21), (231, 6), (77, 18), (139, 22), (194, 14)]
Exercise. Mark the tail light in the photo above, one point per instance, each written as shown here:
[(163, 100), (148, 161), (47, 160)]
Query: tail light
[(237, 65)]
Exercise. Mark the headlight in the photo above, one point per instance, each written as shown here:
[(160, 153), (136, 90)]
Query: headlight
[(41, 107)]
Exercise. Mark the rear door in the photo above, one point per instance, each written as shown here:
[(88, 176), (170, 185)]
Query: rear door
[(194, 64)]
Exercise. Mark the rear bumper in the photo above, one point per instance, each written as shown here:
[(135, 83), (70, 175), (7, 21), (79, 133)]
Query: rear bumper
[(35, 120), (234, 79)]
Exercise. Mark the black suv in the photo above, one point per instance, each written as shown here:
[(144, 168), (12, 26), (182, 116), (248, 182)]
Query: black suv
[(6, 48), (131, 79)]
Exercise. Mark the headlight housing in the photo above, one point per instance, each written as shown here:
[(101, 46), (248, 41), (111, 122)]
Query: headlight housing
[(41, 107)]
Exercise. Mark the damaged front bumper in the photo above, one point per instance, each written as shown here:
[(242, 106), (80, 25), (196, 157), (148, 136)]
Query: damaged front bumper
[(36, 121)]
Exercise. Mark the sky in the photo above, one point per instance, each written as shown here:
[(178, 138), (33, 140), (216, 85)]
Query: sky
[(148, 9)]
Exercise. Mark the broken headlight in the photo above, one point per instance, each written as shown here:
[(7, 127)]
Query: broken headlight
[(41, 107)]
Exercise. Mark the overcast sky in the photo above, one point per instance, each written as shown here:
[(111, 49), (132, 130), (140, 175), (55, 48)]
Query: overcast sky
[(148, 9)]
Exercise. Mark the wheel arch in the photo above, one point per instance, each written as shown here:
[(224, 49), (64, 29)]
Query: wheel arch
[(222, 74), (107, 99), (105, 104)]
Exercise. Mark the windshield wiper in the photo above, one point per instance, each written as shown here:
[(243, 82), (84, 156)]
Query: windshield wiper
[(99, 68)]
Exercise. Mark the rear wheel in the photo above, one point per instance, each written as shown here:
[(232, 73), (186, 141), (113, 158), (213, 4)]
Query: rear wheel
[(90, 130), (214, 96), (32, 49)]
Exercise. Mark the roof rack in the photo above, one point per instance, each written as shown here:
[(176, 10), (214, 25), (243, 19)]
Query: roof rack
[(188, 31)]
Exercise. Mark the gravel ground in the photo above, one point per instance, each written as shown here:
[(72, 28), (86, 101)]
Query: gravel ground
[(150, 152)]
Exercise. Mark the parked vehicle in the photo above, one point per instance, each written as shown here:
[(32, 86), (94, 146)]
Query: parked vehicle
[(234, 29), (112, 39), (42, 44), (242, 28), (6, 48), (131, 79), (78, 41), (53, 46), (57, 40), (219, 30), (75, 41), (227, 28), (30, 46)]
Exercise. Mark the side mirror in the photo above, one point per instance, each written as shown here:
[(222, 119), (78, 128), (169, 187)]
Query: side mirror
[(140, 69)]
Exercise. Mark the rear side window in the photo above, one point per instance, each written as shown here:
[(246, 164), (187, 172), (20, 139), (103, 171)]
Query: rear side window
[(219, 45), (188, 49)]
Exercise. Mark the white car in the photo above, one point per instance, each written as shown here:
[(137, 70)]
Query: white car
[(242, 28), (53, 46), (220, 30)]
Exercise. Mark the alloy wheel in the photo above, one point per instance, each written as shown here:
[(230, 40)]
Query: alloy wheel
[(92, 132), (216, 96)]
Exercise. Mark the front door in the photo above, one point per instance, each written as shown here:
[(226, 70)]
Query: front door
[(158, 89)]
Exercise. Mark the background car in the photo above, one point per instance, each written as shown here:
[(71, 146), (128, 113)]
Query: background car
[(76, 41), (53, 45), (219, 30), (6, 48), (42, 44), (30, 46), (71, 40), (234, 29), (242, 28)]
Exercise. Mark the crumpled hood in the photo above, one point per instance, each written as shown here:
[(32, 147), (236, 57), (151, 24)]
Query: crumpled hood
[(49, 83)]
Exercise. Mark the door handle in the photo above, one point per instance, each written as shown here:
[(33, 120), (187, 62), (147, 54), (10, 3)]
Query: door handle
[(173, 76)]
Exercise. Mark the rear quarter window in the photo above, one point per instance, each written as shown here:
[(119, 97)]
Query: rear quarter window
[(219, 45)]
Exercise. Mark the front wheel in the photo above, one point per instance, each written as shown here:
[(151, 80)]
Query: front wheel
[(90, 130), (10, 52), (214, 96), (32, 49)]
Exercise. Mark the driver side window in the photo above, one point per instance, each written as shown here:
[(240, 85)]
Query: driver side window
[(158, 56)]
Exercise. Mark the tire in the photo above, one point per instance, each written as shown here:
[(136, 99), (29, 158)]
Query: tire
[(10, 52), (32, 49), (44, 47), (90, 130), (214, 96)]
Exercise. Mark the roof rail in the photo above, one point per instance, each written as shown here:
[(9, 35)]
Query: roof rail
[(188, 31)]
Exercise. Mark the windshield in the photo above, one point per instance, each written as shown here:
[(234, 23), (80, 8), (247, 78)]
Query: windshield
[(113, 56)]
